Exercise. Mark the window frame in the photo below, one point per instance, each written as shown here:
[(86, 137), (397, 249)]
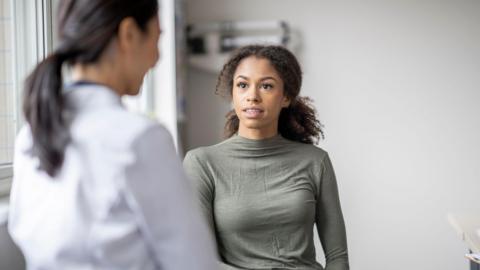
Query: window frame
[(32, 42)]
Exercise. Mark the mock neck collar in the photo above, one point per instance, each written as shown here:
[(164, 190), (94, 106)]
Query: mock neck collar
[(261, 143)]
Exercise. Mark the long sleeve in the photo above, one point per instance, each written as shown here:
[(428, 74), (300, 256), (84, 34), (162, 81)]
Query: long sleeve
[(203, 186), (329, 220), (157, 188)]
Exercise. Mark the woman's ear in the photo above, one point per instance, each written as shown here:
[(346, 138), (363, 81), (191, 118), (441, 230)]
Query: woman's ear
[(285, 102), (128, 33)]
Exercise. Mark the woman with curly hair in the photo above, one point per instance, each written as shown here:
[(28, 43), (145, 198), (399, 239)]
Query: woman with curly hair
[(263, 189)]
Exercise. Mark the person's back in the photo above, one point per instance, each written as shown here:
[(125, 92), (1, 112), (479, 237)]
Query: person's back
[(86, 215), (97, 187)]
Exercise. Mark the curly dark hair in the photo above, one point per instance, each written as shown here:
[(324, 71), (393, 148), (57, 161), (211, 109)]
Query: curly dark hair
[(298, 122)]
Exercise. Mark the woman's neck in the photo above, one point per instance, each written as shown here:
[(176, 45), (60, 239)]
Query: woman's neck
[(100, 73), (257, 133)]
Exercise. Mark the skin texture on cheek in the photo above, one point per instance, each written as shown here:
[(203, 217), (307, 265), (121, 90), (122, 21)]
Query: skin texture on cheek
[(144, 54)]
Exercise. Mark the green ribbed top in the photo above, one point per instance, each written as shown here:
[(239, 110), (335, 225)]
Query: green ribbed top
[(261, 199)]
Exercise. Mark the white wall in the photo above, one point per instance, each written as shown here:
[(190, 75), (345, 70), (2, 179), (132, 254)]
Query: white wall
[(397, 85)]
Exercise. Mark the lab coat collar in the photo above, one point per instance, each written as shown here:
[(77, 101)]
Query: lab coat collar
[(87, 96)]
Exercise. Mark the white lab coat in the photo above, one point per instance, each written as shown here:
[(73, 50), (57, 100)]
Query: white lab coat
[(119, 201)]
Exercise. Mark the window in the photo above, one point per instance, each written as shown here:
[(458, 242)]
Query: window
[(23, 41), (8, 97)]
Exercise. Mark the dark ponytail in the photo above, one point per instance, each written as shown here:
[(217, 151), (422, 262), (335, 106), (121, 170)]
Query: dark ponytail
[(43, 107), (298, 122), (86, 27)]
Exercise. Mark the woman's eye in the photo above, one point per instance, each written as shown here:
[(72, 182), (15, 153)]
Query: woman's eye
[(241, 85), (267, 86)]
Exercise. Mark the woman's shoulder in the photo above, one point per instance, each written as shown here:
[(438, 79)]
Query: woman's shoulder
[(115, 127), (303, 153), (205, 153), (310, 150)]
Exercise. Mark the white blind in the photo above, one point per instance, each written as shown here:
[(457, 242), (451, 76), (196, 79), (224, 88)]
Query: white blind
[(7, 82)]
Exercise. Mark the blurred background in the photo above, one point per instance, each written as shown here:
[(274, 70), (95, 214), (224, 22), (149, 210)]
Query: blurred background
[(396, 84)]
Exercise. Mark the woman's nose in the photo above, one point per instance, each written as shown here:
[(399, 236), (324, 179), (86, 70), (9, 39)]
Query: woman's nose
[(252, 95)]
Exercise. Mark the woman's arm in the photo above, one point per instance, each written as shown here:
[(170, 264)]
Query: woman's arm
[(202, 183), (329, 219), (162, 196)]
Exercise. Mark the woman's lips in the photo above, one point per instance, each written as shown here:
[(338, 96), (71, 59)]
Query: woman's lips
[(253, 113)]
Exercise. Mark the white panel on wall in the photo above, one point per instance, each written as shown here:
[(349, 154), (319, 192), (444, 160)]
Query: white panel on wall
[(164, 73)]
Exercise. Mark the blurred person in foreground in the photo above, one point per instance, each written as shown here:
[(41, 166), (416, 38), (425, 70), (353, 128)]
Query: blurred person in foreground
[(97, 187)]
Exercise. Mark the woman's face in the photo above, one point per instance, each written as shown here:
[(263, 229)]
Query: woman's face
[(143, 54), (258, 97)]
